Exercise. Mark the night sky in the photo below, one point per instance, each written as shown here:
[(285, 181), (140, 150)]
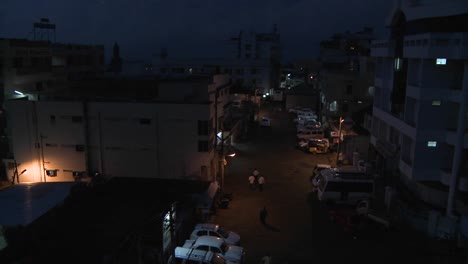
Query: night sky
[(192, 28)]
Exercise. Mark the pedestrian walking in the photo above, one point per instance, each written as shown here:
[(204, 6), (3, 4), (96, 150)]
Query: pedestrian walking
[(252, 182), (255, 173), (266, 259), (261, 181), (263, 215)]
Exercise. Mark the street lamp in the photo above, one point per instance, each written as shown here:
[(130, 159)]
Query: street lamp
[(339, 140)]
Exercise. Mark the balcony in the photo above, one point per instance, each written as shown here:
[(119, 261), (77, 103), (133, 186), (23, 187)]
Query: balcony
[(382, 48), (437, 45)]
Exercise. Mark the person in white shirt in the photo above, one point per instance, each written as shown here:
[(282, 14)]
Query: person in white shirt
[(255, 173), (261, 181), (252, 182)]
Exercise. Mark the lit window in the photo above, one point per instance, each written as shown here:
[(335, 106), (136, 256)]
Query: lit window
[(436, 102), (397, 64), (432, 144), (441, 61)]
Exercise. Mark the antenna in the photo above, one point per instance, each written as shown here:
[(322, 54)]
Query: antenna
[(43, 30)]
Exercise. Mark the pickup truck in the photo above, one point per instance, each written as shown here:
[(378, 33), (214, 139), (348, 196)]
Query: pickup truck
[(232, 254)]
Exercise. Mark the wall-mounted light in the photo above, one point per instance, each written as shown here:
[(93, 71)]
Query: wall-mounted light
[(78, 174), (18, 92)]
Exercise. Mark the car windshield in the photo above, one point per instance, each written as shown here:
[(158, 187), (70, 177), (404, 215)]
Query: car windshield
[(223, 232)]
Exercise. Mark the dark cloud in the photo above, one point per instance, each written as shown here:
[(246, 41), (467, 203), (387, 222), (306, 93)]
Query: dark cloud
[(192, 27)]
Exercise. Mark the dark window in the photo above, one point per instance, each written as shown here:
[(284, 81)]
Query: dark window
[(79, 148), (202, 233), (345, 107), (163, 70), (349, 89), (216, 250), (77, 119), (203, 247), (52, 119), (203, 127), (203, 146), (145, 121), (214, 234), (248, 46), (247, 55), (253, 71), (240, 71), (39, 86), (17, 62)]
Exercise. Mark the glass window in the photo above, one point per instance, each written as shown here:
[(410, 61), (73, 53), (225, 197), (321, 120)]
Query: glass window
[(212, 233), (203, 247), (216, 250), (202, 233)]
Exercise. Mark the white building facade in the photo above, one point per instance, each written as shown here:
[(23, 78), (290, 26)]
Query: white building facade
[(420, 114), (170, 138)]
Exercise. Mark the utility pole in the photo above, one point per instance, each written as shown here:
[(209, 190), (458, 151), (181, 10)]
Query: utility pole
[(219, 153), (339, 140)]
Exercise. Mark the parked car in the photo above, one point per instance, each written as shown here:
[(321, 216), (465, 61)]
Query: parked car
[(195, 256), (301, 120), (265, 122), (316, 133), (208, 229), (320, 167), (308, 125), (217, 245), (318, 146), (314, 146)]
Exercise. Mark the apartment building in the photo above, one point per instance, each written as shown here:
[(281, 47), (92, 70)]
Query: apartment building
[(346, 73), (252, 60), (419, 125), (30, 66), (168, 133)]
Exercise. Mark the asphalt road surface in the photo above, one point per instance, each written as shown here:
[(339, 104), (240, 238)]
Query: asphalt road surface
[(298, 228)]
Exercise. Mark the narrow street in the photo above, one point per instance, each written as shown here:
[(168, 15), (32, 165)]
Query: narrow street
[(298, 228)]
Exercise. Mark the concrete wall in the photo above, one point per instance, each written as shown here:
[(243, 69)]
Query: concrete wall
[(123, 139)]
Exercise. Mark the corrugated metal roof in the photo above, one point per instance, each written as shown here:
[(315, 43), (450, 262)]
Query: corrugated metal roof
[(23, 203)]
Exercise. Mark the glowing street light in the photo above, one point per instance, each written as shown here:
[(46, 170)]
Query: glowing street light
[(18, 92)]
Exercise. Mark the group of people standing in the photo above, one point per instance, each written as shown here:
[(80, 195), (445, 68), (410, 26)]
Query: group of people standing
[(255, 179)]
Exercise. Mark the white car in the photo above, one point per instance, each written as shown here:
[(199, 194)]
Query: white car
[(317, 133), (307, 126), (232, 254), (265, 122), (195, 256), (304, 119), (208, 229)]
